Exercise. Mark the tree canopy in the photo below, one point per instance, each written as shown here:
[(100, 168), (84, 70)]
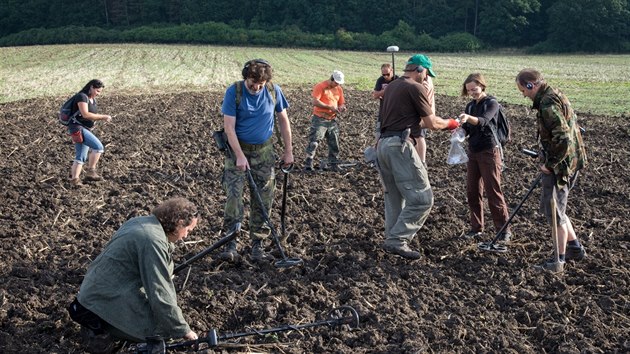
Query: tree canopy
[(560, 25)]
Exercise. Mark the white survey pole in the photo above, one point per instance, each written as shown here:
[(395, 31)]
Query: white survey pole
[(393, 49)]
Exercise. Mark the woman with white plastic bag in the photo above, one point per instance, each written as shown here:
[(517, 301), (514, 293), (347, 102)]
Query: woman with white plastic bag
[(483, 169)]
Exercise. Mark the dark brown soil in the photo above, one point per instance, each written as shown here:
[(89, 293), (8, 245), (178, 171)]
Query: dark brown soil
[(456, 299)]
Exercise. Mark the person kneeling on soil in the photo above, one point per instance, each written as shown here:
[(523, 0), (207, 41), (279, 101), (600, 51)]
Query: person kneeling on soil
[(128, 293)]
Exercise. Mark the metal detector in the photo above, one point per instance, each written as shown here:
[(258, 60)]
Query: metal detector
[(285, 262), (492, 246), (229, 236), (393, 49), (337, 318)]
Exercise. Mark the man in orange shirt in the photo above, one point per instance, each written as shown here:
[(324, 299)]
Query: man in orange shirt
[(328, 101)]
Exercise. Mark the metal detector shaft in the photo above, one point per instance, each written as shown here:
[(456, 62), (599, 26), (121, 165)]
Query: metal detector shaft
[(231, 235), (283, 211), (263, 210), (518, 207), (212, 339)]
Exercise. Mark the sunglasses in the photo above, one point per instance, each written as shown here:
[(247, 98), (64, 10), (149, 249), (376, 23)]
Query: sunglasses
[(386, 75)]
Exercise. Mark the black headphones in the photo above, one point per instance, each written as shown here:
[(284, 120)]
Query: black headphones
[(529, 86), (245, 71)]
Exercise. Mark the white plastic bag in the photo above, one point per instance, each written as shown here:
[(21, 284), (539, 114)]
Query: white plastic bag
[(457, 153)]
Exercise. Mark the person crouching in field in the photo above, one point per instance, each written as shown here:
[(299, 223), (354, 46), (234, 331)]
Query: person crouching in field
[(80, 130), (128, 292), (249, 109), (562, 156)]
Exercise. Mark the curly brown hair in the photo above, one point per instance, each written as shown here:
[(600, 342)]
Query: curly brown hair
[(258, 70), (170, 212)]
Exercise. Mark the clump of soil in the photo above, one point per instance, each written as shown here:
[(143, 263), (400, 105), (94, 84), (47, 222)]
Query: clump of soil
[(455, 299)]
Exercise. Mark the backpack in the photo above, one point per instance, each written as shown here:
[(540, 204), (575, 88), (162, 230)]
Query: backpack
[(501, 132), (66, 113)]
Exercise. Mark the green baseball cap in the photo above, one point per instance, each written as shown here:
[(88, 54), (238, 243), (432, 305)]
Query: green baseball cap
[(423, 61)]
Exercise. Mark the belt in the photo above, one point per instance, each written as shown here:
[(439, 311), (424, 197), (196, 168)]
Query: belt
[(324, 118), (398, 133), (254, 147), (390, 133)]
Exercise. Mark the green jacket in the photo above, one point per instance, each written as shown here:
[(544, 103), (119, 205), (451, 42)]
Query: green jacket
[(559, 134), (129, 285)]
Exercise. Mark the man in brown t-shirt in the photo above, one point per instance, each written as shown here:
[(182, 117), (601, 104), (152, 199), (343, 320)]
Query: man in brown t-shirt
[(408, 195)]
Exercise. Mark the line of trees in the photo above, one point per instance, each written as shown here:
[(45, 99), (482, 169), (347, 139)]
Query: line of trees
[(543, 25)]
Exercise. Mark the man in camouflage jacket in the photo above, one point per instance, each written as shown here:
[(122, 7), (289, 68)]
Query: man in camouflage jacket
[(562, 156)]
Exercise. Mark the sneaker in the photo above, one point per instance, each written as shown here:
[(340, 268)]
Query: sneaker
[(258, 252), (402, 250), (229, 254), (505, 236), (473, 234), (575, 253), (551, 266), (91, 175), (308, 165), (97, 343)]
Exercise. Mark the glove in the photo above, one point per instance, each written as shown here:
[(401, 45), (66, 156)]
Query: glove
[(452, 124)]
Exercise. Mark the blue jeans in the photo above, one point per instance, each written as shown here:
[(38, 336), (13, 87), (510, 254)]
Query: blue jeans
[(90, 141)]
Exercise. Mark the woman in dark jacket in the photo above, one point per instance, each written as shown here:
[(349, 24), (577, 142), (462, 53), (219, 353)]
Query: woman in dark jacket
[(80, 129), (484, 164)]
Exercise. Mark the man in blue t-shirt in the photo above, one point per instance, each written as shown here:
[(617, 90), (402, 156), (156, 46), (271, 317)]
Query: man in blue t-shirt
[(248, 119)]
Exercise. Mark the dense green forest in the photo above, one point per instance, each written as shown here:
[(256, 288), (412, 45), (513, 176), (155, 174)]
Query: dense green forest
[(440, 25)]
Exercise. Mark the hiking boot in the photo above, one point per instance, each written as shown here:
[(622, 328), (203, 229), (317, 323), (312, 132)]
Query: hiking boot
[(473, 234), (551, 266), (402, 250), (97, 343), (258, 252), (91, 175), (505, 236), (308, 165), (575, 253), (76, 182), (229, 254)]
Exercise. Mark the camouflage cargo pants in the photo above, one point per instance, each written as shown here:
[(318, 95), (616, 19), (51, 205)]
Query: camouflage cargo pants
[(321, 128), (261, 162)]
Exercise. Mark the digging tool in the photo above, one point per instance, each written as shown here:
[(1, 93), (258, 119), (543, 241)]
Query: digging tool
[(229, 236), (283, 210), (285, 262), (554, 230), (337, 318), (393, 49), (492, 246)]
